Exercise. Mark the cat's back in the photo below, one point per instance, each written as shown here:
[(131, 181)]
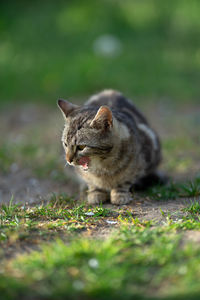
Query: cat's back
[(118, 103)]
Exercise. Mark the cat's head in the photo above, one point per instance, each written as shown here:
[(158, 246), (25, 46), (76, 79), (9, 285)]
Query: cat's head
[(88, 134)]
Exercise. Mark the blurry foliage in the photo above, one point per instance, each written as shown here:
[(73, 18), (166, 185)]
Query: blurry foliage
[(47, 48)]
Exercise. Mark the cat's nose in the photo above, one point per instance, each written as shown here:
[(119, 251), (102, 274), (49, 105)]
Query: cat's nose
[(69, 156)]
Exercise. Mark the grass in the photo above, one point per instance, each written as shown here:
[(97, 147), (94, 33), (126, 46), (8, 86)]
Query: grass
[(186, 219), (175, 190), (62, 212), (55, 51), (192, 189), (139, 259), (21, 223), (45, 216), (120, 268), (194, 208)]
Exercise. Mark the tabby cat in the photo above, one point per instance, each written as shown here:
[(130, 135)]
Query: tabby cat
[(110, 144)]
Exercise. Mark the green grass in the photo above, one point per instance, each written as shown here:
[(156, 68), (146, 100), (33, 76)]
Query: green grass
[(175, 190), (61, 215), (194, 208), (192, 189), (139, 259), (47, 49), (186, 219), (137, 262)]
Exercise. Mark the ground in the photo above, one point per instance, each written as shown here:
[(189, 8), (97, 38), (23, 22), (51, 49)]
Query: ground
[(146, 249)]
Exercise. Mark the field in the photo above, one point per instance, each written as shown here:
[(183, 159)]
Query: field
[(148, 50), (52, 245)]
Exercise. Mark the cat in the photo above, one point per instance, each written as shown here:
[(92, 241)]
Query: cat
[(110, 144)]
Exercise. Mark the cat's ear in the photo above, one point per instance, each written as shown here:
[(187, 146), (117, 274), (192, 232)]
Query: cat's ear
[(103, 118), (66, 107)]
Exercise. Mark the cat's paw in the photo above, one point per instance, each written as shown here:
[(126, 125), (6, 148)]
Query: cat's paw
[(97, 197), (120, 198)]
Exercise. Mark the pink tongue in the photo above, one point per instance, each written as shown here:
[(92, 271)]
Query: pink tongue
[(84, 161)]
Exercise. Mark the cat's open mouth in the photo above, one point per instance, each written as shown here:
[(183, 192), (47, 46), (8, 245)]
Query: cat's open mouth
[(84, 162)]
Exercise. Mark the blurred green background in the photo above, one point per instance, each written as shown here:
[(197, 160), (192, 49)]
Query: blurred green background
[(149, 49)]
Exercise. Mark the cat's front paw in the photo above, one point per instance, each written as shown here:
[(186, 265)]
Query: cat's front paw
[(97, 197), (120, 198)]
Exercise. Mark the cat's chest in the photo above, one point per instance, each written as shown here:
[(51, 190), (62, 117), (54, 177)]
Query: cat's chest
[(102, 181), (105, 181)]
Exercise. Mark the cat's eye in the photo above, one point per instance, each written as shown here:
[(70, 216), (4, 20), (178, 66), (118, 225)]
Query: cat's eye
[(65, 144), (80, 147)]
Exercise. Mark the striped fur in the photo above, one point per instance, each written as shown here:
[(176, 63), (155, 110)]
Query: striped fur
[(110, 144)]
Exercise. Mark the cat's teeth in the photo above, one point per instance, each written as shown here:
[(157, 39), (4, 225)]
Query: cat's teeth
[(85, 167)]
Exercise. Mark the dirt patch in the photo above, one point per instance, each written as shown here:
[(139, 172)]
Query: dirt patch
[(24, 187), (148, 209)]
